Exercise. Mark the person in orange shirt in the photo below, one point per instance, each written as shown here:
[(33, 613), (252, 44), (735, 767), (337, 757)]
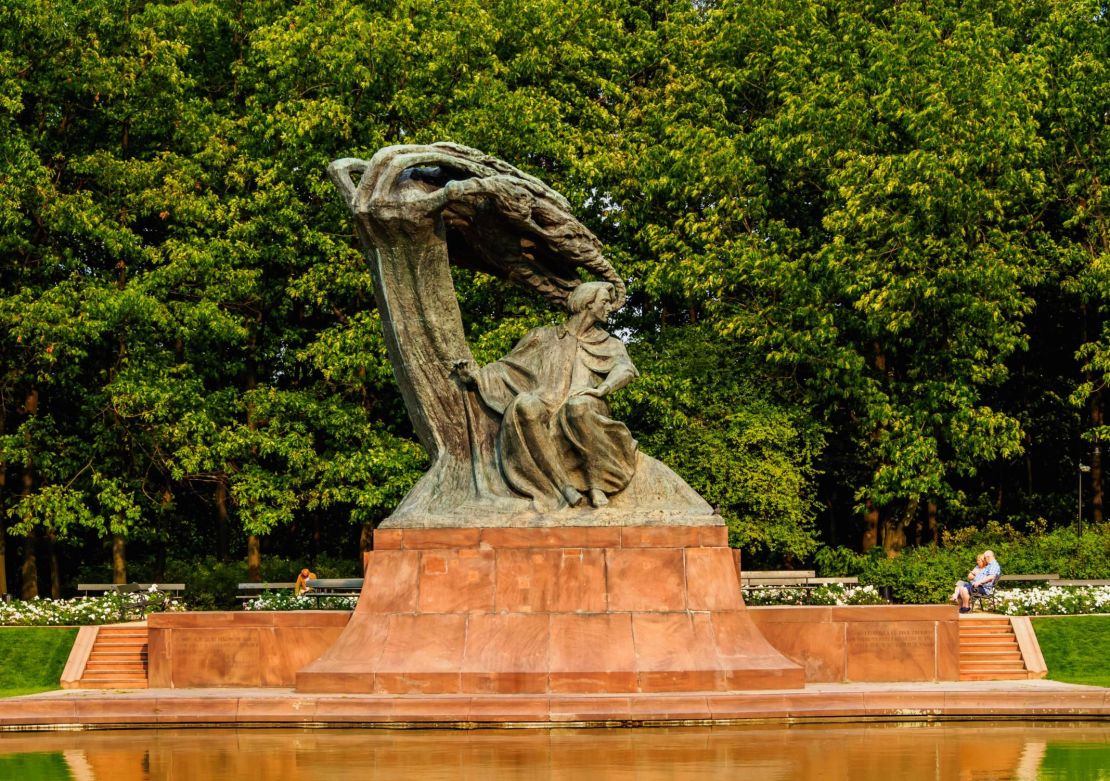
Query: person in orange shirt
[(301, 586)]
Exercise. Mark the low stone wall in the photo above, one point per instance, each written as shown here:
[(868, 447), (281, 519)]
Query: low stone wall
[(197, 650), (866, 643), (833, 644)]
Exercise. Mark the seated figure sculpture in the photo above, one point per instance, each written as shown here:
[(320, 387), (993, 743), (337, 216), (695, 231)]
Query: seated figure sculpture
[(557, 442)]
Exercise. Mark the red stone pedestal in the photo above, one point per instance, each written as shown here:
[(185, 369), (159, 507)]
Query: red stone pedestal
[(550, 610)]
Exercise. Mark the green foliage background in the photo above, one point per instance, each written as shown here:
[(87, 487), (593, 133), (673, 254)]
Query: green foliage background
[(866, 245)]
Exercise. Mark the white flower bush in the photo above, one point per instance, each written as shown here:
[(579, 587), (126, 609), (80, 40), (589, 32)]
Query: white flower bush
[(1053, 601), (829, 594), (284, 600), (107, 609)]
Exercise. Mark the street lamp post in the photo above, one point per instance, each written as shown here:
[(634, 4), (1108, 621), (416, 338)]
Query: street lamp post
[(1079, 516)]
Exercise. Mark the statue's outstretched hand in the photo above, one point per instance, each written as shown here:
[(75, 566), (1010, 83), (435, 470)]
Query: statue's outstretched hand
[(601, 391), (466, 370)]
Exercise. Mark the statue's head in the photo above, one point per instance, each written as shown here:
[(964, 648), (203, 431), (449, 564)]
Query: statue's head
[(589, 295)]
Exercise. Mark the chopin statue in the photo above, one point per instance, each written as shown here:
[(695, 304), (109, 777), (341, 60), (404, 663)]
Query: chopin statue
[(527, 440)]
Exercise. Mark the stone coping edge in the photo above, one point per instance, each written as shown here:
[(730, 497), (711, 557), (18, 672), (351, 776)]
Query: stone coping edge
[(133, 710)]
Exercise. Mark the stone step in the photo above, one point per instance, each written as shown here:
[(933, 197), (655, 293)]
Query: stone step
[(988, 647), (114, 642), (980, 665), (101, 661), (117, 660), (118, 653), (982, 636), (975, 656), (114, 683), (116, 671), (994, 676)]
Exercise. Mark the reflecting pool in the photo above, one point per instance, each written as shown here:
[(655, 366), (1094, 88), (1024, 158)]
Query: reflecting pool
[(883, 752)]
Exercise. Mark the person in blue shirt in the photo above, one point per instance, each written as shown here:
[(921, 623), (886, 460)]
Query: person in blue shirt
[(983, 583)]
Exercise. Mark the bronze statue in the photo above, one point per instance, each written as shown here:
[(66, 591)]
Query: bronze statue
[(526, 440), (557, 441)]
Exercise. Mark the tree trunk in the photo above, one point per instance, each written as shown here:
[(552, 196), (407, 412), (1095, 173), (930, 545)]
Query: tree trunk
[(1096, 461), (30, 571), (119, 559), (894, 529), (163, 534), (3, 523), (365, 545), (222, 518), (3, 561), (870, 527), (931, 524), (55, 568), (254, 559)]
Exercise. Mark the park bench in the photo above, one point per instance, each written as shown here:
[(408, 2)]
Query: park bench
[(249, 591), (802, 578), (775, 578), (333, 587), (990, 601), (1073, 582), (137, 595)]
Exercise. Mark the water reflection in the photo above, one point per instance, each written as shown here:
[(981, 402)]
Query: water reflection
[(965, 750)]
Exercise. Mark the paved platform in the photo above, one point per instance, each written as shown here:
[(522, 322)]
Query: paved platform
[(1033, 699)]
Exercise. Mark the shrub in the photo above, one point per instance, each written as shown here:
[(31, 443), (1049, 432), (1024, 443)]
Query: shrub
[(211, 584), (1054, 601), (927, 575), (284, 600), (81, 611), (830, 594)]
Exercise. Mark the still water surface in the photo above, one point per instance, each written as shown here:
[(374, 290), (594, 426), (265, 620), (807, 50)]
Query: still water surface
[(878, 752)]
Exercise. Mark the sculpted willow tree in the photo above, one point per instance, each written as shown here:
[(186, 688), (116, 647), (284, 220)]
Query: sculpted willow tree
[(528, 439)]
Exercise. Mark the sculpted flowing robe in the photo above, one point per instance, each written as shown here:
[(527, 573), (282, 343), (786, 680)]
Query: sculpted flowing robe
[(549, 437)]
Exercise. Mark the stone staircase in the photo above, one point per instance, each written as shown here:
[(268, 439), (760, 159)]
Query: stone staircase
[(118, 659), (989, 650)]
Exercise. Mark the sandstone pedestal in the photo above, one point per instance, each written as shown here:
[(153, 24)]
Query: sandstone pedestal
[(550, 611)]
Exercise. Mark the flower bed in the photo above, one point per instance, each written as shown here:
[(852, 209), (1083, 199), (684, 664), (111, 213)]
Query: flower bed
[(283, 600), (1053, 600), (81, 611), (830, 594)]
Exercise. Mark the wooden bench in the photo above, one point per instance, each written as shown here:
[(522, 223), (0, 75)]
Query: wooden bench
[(249, 591), (1027, 578), (1060, 582), (847, 581), (333, 587), (138, 594), (775, 578), (801, 578), (990, 601)]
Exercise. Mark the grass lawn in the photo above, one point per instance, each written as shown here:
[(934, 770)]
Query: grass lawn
[(1075, 648), (32, 658)]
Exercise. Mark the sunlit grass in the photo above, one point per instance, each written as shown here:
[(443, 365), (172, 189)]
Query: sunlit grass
[(1075, 648), (32, 658)]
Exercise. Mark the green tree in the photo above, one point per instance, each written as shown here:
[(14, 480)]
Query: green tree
[(849, 189)]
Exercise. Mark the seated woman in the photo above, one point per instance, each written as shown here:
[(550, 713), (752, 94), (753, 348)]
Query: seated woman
[(301, 586), (980, 565), (981, 585)]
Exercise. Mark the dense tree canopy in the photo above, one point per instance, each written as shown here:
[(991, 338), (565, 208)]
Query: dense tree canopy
[(867, 247)]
